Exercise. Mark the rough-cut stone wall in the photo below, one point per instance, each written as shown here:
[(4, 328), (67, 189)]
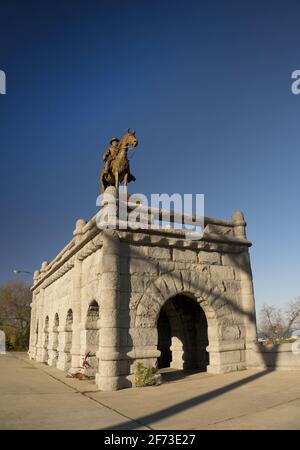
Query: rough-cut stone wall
[(201, 275), (53, 303), (131, 275), (91, 279)]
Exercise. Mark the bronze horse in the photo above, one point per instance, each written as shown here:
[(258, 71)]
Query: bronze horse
[(119, 170)]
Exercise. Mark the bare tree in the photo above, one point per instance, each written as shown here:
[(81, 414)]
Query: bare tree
[(292, 318), (276, 323), (271, 323), (15, 300)]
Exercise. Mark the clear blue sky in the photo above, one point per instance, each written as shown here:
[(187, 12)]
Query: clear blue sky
[(207, 87)]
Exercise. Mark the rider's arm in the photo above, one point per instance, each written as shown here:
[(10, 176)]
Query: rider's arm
[(105, 155)]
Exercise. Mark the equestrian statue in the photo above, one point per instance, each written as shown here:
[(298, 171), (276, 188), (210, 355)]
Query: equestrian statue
[(116, 169)]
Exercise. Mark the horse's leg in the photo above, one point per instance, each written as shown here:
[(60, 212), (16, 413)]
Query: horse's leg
[(117, 180), (103, 186), (125, 182)]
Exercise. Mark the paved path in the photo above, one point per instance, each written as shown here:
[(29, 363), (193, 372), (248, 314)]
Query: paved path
[(35, 396)]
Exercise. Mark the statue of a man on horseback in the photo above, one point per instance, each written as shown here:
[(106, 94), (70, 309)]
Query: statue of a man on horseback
[(110, 153), (116, 169)]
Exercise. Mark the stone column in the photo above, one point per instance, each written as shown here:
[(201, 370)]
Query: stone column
[(76, 299), (213, 348), (76, 306), (53, 346), (177, 353), (45, 355), (49, 343), (40, 344), (108, 377), (248, 301), (64, 357), (32, 340)]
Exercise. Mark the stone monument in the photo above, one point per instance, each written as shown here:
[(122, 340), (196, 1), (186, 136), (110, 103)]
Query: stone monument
[(150, 296)]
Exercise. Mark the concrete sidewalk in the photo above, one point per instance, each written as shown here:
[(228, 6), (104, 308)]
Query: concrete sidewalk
[(35, 396)]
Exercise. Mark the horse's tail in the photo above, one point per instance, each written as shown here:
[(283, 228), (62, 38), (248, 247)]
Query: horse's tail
[(131, 178)]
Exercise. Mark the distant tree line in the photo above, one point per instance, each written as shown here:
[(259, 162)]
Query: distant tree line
[(15, 300)]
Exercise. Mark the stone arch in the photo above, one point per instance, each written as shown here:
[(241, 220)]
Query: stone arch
[(188, 337), (186, 283), (92, 315), (90, 339), (168, 286)]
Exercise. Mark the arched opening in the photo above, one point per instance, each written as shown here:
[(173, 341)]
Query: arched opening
[(182, 335), (56, 321), (93, 311), (164, 340), (69, 320)]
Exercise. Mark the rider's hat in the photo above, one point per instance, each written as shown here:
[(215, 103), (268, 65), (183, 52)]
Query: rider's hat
[(114, 139)]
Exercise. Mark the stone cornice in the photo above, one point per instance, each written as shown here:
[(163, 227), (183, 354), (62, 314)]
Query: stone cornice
[(66, 258), (59, 272), (176, 238), (88, 238)]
